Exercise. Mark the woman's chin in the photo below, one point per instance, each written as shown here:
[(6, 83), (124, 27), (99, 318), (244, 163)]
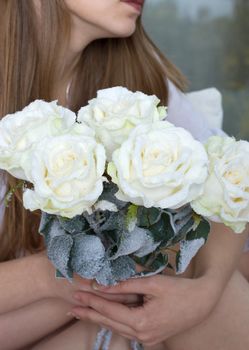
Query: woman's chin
[(124, 30)]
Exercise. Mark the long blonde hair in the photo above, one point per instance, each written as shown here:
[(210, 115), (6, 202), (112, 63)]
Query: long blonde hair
[(30, 62)]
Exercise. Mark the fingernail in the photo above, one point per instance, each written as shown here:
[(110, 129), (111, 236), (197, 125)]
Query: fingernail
[(76, 316), (71, 314), (100, 287), (95, 286)]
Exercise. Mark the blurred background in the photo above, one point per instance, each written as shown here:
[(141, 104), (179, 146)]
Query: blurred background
[(209, 41)]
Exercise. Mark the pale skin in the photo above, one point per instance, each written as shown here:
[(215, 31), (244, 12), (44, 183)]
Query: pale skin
[(208, 308), (212, 296)]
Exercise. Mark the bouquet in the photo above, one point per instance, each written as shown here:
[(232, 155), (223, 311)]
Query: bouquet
[(118, 185)]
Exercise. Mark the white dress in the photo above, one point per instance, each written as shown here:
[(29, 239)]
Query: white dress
[(199, 112), (195, 112), (2, 194)]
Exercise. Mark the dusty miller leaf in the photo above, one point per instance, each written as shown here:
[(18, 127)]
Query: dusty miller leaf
[(162, 230), (123, 268), (188, 249), (46, 223), (138, 242), (105, 275), (101, 221), (59, 251), (88, 255), (146, 217), (117, 270), (201, 231), (75, 225), (131, 217), (108, 194), (52, 229)]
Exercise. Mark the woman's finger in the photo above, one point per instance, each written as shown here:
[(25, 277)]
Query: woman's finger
[(96, 317), (111, 310), (82, 283), (127, 299), (145, 285)]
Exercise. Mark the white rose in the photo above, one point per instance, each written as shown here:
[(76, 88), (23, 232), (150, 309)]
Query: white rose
[(226, 194), (21, 130), (67, 174), (116, 111), (159, 165)]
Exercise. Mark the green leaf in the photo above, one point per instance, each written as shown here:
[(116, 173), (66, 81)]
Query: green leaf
[(131, 217), (75, 225), (162, 230), (108, 194), (159, 261), (202, 231), (100, 221), (155, 264), (47, 221), (141, 260), (183, 231), (147, 216)]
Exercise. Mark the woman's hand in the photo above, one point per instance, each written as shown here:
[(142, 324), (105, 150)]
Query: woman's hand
[(66, 290), (171, 305), (63, 289)]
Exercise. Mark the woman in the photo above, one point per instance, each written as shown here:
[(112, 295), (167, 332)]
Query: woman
[(67, 50)]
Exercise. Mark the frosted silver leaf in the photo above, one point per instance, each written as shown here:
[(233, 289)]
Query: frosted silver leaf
[(117, 270), (59, 251), (188, 249), (56, 229), (108, 194), (105, 276), (180, 218), (88, 255), (101, 221), (149, 247), (45, 223), (74, 225), (123, 268), (105, 205), (139, 241)]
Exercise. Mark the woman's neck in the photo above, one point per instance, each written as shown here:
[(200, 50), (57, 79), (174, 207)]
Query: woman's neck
[(79, 39)]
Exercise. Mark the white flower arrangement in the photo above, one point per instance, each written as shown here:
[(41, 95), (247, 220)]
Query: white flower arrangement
[(116, 111), (226, 191), (159, 165), (118, 185)]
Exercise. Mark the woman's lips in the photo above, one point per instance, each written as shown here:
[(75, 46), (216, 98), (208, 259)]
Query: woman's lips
[(137, 4)]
